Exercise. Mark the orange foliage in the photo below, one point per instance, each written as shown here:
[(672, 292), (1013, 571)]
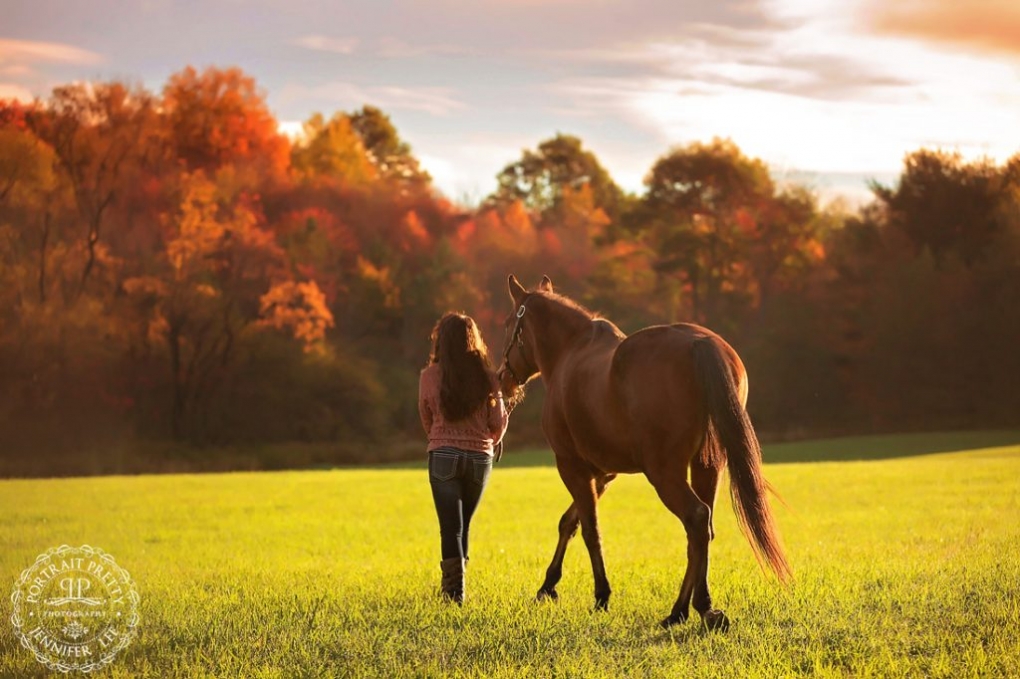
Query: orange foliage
[(577, 212), (552, 245), (381, 277), (745, 220), (517, 221), (414, 235), (297, 307), (219, 117), (200, 236), (196, 232), (466, 230), (509, 230)]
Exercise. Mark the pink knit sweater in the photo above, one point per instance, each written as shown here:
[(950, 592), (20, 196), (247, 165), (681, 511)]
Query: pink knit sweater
[(478, 432)]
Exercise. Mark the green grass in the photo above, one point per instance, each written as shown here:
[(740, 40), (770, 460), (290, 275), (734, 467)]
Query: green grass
[(905, 566)]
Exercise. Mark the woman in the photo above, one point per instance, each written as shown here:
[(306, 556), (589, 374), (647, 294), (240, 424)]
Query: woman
[(465, 419)]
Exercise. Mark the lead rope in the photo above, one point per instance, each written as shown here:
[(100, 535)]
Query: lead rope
[(515, 336)]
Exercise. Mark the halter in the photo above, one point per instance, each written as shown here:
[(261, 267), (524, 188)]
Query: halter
[(515, 337)]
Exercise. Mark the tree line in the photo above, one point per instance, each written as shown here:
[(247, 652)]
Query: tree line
[(172, 268)]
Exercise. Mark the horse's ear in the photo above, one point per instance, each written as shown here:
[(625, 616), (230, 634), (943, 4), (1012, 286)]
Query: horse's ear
[(517, 291), (546, 284)]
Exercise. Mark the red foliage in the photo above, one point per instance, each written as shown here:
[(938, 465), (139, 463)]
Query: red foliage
[(13, 113), (220, 117)]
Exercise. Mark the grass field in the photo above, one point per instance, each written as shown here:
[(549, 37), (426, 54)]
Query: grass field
[(906, 561)]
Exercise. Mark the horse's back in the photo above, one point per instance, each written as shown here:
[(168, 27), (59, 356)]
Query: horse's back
[(664, 345), (645, 364), (657, 347), (653, 378)]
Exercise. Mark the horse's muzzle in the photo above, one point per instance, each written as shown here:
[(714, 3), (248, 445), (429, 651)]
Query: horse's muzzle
[(506, 371)]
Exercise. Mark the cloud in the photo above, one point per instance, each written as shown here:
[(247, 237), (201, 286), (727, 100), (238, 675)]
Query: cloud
[(387, 47), (813, 76), (13, 91), (395, 48), (987, 24), (697, 41), (22, 60), (496, 27), (815, 94), (772, 61), (323, 43), (16, 71), (326, 44), (438, 101), (463, 165), (28, 51)]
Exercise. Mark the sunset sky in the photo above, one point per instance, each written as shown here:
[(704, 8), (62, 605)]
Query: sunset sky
[(829, 93)]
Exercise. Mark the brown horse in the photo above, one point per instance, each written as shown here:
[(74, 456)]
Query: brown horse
[(662, 401)]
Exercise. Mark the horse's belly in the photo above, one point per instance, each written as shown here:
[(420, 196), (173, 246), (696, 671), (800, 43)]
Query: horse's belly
[(605, 446)]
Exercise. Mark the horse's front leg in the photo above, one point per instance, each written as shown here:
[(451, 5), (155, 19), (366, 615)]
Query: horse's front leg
[(583, 487), (568, 529), (593, 541), (569, 523)]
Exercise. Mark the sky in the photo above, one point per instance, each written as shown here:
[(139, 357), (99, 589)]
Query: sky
[(829, 93)]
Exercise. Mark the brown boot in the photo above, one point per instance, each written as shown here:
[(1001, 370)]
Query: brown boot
[(453, 579)]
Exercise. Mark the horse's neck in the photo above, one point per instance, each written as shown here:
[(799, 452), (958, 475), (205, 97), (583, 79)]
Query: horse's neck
[(563, 325)]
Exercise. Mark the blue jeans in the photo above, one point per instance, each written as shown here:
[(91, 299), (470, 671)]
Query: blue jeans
[(458, 478)]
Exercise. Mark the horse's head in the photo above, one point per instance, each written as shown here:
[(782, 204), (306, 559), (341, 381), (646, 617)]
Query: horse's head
[(519, 364)]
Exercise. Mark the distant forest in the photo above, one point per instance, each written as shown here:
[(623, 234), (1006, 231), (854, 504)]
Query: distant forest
[(176, 275)]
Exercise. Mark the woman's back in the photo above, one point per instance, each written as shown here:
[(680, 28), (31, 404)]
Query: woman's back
[(477, 432)]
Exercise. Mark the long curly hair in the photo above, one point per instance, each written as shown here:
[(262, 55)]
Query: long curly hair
[(463, 358)]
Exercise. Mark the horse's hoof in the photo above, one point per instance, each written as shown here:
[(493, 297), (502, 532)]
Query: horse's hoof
[(549, 594), (601, 604), (673, 619), (716, 621)]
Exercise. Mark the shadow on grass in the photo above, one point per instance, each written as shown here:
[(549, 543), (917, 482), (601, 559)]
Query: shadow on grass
[(837, 450)]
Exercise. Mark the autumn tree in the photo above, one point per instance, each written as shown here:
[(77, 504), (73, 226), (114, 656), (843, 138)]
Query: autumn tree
[(209, 288), (784, 236), (332, 150), (220, 117), (390, 155), (58, 342), (944, 204), (542, 178), (98, 131), (19, 161), (171, 267), (30, 198), (701, 198)]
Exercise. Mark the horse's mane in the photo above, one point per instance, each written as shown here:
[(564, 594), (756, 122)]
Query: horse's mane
[(569, 303)]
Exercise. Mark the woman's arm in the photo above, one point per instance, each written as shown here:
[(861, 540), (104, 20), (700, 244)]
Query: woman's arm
[(498, 417), (424, 410)]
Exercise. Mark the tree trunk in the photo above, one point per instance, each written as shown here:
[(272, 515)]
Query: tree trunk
[(179, 389), (42, 258)]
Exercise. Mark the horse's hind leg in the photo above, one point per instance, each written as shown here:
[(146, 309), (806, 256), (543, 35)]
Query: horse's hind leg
[(695, 515), (705, 483), (706, 467), (569, 523)]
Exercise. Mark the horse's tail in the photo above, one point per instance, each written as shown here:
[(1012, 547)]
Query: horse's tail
[(734, 433)]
